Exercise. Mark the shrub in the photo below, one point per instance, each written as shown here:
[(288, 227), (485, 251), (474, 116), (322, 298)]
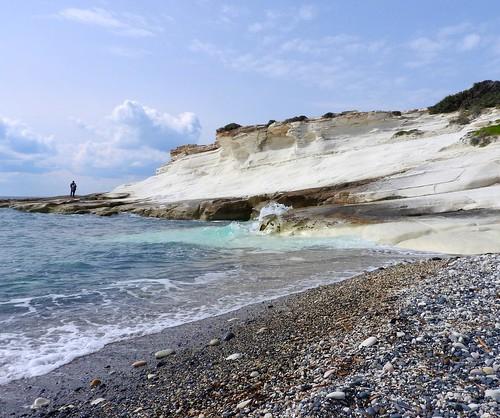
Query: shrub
[(481, 95), (462, 118), (229, 127), (296, 119), (492, 130), (329, 115), (410, 132), (484, 136)]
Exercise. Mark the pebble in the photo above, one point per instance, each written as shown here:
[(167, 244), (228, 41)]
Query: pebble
[(261, 330), (151, 376), (400, 334), (234, 356), (139, 363), (40, 403), (94, 383), (488, 370), (214, 342), (233, 319), (268, 415), (228, 336), (368, 342), (388, 367), (164, 353), (254, 374), (493, 394), (459, 345), (336, 395), (328, 373), (97, 401), (243, 404)]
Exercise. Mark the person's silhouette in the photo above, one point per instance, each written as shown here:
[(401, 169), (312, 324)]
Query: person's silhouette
[(72, 188)]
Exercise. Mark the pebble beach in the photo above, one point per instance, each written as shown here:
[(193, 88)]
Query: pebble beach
[(417, 339)]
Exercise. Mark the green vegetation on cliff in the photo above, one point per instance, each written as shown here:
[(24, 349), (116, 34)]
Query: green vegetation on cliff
[(481, 95), (484, 136)]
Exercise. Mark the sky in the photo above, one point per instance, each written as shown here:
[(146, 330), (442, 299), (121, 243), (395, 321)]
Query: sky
[(100, 91)]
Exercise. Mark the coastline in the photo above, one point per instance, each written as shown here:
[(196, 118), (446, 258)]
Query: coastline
[(306, 335)]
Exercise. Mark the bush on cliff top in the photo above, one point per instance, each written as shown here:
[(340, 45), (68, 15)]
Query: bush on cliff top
[(296, 119), (481, 95), (229, 127)]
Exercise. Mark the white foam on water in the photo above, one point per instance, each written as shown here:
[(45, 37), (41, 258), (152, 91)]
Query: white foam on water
[(273, 208)]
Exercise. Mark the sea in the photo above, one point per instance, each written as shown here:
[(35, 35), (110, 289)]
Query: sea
[(70, 284)]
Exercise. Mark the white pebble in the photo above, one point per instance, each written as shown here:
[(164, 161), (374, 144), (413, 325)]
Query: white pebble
[(254, 373), (368, 342), (388, 367), (400, 334), (164, 353), (214, 341), (493, 394), (336, 395), (488, 370), (97, 401), (459, 345), (328, 373), (234, 356), (39, 403), (244, 404)]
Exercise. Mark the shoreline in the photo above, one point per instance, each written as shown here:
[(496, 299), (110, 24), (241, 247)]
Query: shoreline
[(325, 324)]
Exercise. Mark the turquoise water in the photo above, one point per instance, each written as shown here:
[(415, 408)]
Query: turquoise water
[(69, 284)]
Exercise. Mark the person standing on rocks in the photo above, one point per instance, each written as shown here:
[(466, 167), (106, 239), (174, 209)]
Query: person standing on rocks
[(72, 188)]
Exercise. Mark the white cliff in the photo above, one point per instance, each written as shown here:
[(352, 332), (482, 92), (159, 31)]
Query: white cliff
[(413, 161)]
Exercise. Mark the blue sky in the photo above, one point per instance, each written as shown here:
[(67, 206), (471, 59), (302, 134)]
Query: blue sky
[(100, 91)]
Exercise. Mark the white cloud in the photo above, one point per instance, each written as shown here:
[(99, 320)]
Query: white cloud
[(139, 125), (125, 24), (284, 20), (307, 12), (21, 149), (444, 42), (133, 140), (470, 42), (425, 45), (334, 61)]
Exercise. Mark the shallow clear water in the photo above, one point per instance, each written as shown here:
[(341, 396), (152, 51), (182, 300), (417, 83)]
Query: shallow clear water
[(69, 284)]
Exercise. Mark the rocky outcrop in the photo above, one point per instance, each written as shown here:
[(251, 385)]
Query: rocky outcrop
[(189, 149)]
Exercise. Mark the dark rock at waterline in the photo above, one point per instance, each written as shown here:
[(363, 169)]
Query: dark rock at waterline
[(228, 336)]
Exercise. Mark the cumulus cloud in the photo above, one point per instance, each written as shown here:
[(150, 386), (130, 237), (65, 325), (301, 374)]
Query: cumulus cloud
[(139, 125), (21, 149), (127, 24), (133, 140)]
